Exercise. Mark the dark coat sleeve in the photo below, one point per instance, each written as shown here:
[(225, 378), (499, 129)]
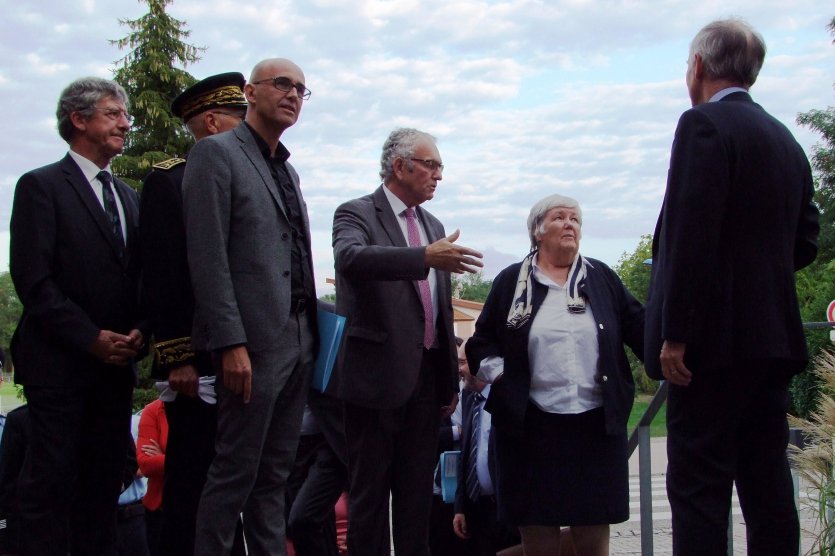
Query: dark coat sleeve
[(167, 297), (35, 224)]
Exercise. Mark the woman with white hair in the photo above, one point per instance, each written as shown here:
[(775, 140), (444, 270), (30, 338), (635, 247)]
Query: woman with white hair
[(551, 340)]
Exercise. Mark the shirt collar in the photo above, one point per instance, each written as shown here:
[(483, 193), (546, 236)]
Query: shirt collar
[(725, 92), (397, 205), (281, 152), (87, 166)]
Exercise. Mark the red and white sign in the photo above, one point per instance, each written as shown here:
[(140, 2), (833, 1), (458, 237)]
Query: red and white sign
[(830, 312)]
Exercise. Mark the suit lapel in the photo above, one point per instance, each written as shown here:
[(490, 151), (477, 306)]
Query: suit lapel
[(82, 188), (387, 218), (250, 149), (129, 207)]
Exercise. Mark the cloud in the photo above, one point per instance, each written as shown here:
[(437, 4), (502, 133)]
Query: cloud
[(40, 67), (526, 97)]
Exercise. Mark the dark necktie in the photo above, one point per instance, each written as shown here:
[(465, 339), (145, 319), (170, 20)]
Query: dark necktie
[(423, 285), (473, 487), (110, 208)]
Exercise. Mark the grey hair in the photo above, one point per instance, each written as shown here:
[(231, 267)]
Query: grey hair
[(541, 208), (730, 49), (401, 143), (82, 95)]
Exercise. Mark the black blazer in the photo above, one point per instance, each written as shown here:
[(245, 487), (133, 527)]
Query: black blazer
[(68, 273), (382, 347), (736, 223), (619, 318), (167, 297)]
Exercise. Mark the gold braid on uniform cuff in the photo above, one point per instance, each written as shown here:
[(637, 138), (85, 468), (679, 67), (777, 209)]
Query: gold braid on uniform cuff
[(170, 352)]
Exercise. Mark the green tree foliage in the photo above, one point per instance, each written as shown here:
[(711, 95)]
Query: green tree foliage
[(634, 272), (150, 75), (472, 287), (815, 284), (10, 311)]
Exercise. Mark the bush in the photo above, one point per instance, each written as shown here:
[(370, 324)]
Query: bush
[(142, 397)]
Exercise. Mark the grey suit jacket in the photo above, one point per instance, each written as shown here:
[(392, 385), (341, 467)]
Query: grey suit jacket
[(382, 348), (238, 242)]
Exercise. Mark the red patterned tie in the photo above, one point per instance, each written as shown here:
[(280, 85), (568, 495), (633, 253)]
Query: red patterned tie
[(423, 285)]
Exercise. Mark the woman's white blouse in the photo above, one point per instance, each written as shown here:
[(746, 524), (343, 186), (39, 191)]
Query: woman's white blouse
[(563, 353)]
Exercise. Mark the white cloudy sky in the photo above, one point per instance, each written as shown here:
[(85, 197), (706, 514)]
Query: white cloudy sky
[(526, 97)]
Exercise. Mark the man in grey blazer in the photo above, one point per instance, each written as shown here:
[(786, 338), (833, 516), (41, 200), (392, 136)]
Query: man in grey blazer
[(397, 369), (248, 243)]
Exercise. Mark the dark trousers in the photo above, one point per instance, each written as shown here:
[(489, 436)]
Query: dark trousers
[(72, 473), (730, 426), (487, 533), (392, 451), (191, 446), (153, 523), (442, 537), (317, 483), (132, 530)]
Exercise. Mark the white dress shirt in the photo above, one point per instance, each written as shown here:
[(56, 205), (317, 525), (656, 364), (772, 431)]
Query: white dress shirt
[(91, 171), (563, 353), (399, 208), (485, 482)]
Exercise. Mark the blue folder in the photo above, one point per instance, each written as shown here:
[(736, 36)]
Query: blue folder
[(449, 475), (331, 326)]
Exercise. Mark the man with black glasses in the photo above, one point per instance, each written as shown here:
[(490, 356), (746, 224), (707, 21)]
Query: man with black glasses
[(248, 244), (213, 105)]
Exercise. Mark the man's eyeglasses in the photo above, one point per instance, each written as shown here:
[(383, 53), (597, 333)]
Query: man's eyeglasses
[(116, 113), (284, 84), (429, 163)]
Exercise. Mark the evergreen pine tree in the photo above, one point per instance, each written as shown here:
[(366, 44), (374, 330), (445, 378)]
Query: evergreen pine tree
[(151, 76)]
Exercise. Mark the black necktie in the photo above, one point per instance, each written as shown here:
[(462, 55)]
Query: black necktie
[(473, 487), (110, 208)]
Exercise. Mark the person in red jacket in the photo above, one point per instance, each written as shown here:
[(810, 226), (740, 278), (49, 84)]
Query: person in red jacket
[(150, 453)]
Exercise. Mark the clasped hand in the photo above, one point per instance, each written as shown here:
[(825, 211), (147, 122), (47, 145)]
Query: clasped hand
[(116, 349)]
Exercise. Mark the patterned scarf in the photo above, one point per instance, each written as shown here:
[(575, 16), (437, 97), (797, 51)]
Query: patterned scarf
[(520, 310)]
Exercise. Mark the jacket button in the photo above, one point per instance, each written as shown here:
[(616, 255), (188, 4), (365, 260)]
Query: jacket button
[(284, 236), (605, 378), (285, 273)]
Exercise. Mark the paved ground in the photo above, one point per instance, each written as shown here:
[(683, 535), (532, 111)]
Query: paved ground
[(626, 537)]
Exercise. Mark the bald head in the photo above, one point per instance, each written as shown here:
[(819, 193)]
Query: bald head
[(271, 67), (275, 94)]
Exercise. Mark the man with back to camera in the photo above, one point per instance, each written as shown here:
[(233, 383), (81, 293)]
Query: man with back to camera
[(248, 244), (722, 311), (74, 263), (213, 105), (397, 366)]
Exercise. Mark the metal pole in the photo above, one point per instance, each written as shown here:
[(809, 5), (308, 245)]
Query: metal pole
[(645, 481), (731, 532)]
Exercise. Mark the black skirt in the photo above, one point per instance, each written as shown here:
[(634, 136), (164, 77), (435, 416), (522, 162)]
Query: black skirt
[(565, 470)]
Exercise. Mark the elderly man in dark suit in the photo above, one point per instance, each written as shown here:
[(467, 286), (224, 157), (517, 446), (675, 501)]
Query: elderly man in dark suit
[(248, 244), (210, 106), (397, 367), (75, 267), (722, 315)]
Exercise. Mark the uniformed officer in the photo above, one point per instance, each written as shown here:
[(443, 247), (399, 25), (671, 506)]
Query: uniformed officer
[(211, 106)]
